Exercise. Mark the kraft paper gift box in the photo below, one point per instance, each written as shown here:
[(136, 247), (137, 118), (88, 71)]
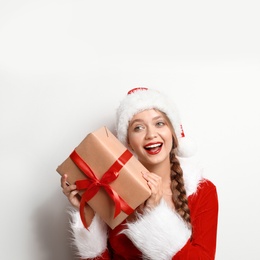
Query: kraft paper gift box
[(107, 161)]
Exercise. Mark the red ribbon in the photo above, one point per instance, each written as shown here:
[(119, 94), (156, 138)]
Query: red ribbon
[(93, 184)]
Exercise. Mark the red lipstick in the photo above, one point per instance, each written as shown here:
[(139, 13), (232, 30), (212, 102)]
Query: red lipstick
[(153, 148)]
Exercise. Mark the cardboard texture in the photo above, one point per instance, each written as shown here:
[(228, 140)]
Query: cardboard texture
[(100, 149)]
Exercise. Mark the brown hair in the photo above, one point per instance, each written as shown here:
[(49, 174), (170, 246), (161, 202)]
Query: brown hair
[(179, 195)]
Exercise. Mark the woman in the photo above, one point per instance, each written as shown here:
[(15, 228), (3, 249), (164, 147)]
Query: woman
[(179, 219)]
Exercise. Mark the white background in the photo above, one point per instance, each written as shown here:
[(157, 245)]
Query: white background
[(64, 67)]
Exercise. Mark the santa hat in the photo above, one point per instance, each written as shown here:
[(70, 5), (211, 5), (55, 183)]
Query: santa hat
[(140, 99)]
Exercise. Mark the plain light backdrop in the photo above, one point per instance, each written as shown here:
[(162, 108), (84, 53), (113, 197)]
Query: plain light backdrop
[(66, 64)]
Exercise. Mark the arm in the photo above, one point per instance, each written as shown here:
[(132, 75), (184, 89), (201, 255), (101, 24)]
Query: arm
[(204, 215), (91, 243)]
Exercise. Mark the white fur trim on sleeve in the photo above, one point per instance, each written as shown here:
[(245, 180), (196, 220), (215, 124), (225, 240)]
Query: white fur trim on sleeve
[(89, 243), (159, 234)]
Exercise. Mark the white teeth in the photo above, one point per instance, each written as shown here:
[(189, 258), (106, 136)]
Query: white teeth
[(152, 146)]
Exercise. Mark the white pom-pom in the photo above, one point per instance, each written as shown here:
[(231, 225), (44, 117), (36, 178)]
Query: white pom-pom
[(186, 147)]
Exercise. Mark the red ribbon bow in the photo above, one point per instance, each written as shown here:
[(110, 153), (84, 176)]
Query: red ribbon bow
[(93, 184)]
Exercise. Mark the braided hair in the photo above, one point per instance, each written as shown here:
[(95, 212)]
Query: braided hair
[(179, 195)]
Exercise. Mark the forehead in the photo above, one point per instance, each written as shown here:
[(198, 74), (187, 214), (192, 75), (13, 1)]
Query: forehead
[(148, 114)]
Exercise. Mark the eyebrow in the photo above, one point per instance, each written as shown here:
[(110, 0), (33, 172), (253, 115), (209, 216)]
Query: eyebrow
[(141, 120)]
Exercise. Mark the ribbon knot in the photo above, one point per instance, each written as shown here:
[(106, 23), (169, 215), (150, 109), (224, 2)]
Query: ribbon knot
[(92, 184)]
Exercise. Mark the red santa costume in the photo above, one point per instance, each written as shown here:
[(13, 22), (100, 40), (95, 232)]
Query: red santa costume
[(159, 233)]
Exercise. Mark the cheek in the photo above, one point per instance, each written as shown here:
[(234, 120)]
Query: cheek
[(169, 140), (169, 146), (133, 144), (134, 141)]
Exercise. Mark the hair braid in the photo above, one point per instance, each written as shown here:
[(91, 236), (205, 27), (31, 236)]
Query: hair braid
[(179, 195)]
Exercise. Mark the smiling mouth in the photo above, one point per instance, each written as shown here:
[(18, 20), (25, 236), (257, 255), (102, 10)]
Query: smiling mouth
[(153, 148)]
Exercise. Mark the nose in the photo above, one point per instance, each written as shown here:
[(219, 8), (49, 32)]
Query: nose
[(151, 133)]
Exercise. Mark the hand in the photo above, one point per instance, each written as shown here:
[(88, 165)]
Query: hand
[(155, 184), (70, 191)]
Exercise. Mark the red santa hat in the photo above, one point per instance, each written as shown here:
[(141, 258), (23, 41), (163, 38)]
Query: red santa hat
[(140, 99)]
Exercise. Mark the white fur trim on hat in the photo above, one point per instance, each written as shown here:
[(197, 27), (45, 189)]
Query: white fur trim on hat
[(141, 99)]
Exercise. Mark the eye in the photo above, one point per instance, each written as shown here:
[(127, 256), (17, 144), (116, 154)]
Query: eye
[(160, 123), (138, 128)]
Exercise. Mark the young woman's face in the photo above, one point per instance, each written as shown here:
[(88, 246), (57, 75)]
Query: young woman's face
[(150, 137)]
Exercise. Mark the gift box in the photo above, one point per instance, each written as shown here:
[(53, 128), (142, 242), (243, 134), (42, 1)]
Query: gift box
[(108, 176)]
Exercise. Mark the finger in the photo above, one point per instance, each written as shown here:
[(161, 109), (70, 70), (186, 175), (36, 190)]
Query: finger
[(153, 182), (64, 180), (154, 187), (68, 189), (150, 186), (154, 177), (73, 194), (146, 176), (151, 176)]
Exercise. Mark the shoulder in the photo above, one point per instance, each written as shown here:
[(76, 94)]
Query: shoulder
[(206, 184), (206, 190)]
